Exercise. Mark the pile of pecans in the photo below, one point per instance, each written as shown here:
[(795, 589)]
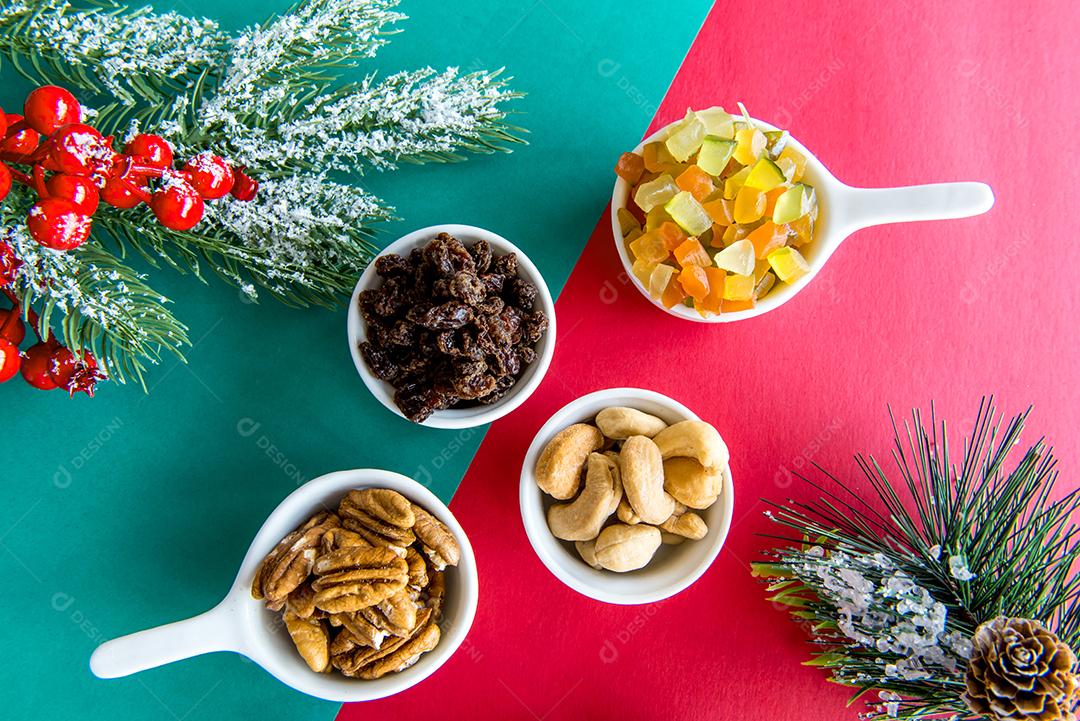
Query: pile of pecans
[(361, 590), (450, 326)]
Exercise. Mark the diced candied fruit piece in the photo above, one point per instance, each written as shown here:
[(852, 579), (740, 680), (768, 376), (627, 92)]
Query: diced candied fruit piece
[(627, 221), (771, 197), (764, 285), (673, 294), (734, 232), (686, 137), (734, 183), (642, 269), (761, 267), (659, 278), (767, 237), (765, 175), (738, 287), (793, 155), (671, 234), (719, 210), (697, 182), (799, 200), (737, 258), (802, 231), (787, 165), (656, 217), (689, 214), (788, 264), (656, 158), (690, 252), (716, 237), (633, 235), (733, 306), (710, 305), (649, 248), (694, 281), (717, 122), (750, 144), (749, 205), (630, 167), (714, 154), (656, 192)]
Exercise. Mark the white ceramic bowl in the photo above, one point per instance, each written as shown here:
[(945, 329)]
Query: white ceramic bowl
[(843, 210), (674, 568), (529, 380), (243, 625)]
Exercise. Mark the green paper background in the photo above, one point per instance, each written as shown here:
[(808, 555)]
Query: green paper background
[(128, 511)]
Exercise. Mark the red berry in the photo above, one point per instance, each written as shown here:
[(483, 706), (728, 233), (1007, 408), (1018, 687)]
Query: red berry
[(35, 366), (244, 187), (150, 150), (79, 149), (79, 190), (57, 223), (118, 194), (3, 124), (177, 205), (21, 142), (5, 181), (210, 175), (9, 264), (9, 360), (72, 373), (11, 329), (49, 107)]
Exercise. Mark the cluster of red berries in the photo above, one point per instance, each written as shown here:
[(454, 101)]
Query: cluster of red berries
[(50, 137), (47, 364)]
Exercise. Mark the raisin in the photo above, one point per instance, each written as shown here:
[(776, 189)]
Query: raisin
[(447, 256), (392, 265), (441, 317), (379, 362), (505, 265), (494, 282), (402, 333), (467, 288), (534, 327), (521, 293), (481, 253)]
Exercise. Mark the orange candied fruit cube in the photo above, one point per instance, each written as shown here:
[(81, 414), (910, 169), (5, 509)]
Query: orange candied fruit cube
[(732, 306), (694, 282), (673, 294), (630, 167), (649, 248), (771, 197), (657, 158), (671, 234), (767, 237), (690, 252), (711, 303), (697, 182), (719, 210)]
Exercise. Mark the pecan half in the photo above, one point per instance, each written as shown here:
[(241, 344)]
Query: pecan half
[(288, 565), (357, 660), (353, 578), (436, 539), (311, 639), (363, 632), (381, 516), (396, 615), (418, 574)]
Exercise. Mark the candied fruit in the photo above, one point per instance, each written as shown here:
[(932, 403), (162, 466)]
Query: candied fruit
[(732, 306), (655, 192), (697, 182), (630, 167), (694, 282), (718, 122), (739, 287), (765, 175), (686, 138), (767, 237), (690, 252), (788, 264), (671, 234), (734, 183), (764, 285), (649, 248), (719, 210), (689, 214), (749, 205), (737, 258), (796, 158), (714, 154), (642, 269), (673, 294), (656, 217), (659, 278), (656, 158), (750, 144), (799, 200), (627, 221), (710, 305), (802, 230)]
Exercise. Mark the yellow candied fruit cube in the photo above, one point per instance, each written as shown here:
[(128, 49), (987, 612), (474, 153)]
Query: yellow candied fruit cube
[(649, 248), (627, 221), (749, 145), (739, 287), (656, 217), (788, 264), (749, 205), (642, 269), (659, 279), (798, 161)]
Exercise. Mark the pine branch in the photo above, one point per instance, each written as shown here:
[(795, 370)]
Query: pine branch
[(894, 588)]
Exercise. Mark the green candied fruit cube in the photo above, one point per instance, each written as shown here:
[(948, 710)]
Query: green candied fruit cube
[(714, 154), (796, 202), (655, 192), (717, 122), (765, 175), (688, 213), (685, 138)]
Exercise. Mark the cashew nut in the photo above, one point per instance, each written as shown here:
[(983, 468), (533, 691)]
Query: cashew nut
[(623, 548), (690, 483), (558, 470), (643, 480), (587, 551), (693, 439), (671, 539), (620, 423), (582, 519), (686, 524), (626, 513)]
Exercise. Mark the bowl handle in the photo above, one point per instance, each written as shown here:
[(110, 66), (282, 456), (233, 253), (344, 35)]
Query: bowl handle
[(215, 630), (865, 207)]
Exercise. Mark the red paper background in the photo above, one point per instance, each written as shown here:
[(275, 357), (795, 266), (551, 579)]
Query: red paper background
[(885, 94)]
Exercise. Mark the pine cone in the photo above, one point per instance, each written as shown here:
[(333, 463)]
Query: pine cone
[(1019, 669)]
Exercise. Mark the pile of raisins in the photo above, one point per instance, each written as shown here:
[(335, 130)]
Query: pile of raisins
[(450, 326)]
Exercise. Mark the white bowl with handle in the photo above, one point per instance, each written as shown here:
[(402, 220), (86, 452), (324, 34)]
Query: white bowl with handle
[(241, 624), (843, 209)]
